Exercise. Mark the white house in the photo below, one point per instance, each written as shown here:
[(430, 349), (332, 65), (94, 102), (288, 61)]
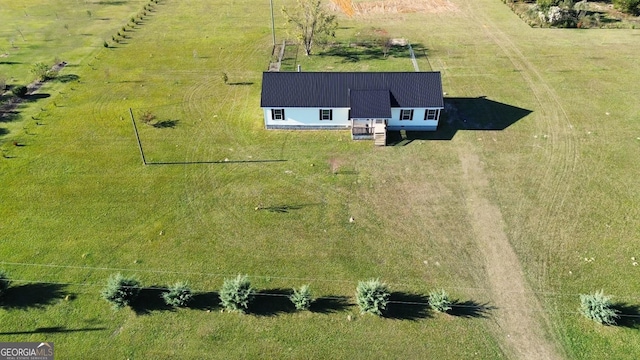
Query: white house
[(365, 102)]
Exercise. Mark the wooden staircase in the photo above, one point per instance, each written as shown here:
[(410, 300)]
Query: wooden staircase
[(380, 133)]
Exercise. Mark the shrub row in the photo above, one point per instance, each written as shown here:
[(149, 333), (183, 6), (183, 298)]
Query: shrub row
[(372, 297), (133, 21)]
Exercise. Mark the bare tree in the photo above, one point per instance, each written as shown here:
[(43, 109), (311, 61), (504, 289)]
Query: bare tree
[(311, 23)]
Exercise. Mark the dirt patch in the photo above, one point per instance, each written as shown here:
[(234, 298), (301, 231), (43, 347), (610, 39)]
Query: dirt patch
[(401, 6)]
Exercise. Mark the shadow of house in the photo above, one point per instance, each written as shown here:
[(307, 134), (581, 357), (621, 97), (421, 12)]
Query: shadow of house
[(406, 306), (475, 114), (205, 301), (629, 315), (149, 300), (33, 295), (271, 302), (470, 309), (330, 304)]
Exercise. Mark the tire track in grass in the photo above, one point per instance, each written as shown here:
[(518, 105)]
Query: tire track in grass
[(523, 328), (517, 306)]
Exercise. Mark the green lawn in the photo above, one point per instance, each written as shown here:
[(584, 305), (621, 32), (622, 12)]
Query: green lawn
[(77, 197)]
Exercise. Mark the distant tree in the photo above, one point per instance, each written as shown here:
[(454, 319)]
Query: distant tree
[(598, 308), (236, 294), (628, 6), (19, 91), (42, 71), (312, 24), (121, 291), (4, 282), (546, 4), (439, 301), (179, 295), (372, 296), (301, 298)]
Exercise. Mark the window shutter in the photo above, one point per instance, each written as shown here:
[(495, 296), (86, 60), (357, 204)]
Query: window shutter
[(320, 114), (330, 114)]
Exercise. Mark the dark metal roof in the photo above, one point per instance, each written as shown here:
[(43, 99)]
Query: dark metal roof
[(370, 104), (331, 89)]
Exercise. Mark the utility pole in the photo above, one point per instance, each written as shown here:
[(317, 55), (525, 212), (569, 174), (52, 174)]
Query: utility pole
[(273, 27)]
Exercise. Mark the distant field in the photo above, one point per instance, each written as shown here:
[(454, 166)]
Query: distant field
[(78, 205)]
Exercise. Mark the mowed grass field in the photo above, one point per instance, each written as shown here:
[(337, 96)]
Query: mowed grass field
[(78, 205)]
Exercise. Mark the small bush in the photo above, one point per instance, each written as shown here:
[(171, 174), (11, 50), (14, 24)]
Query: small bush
[(4, 282), (121, 291), (439, 301), (19, 91), (301, 298), (372, 296), (147, 117), (598, 308), (179, 295), (628, 6), (236, 294)]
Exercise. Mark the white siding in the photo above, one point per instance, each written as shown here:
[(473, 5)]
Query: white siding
[(418, 122), (307, 117)]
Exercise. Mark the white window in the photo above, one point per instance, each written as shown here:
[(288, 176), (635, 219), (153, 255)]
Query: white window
[(431, 114), (406, 114), (326, 114), (277, 114)]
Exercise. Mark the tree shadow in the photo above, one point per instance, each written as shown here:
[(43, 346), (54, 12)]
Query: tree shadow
[(406, 306), (372, 50), (149, 300), (470, 309), (166, 124), (629, 315), (271, 302), (330, 304), (284, 208), (51, 330), (115, 2), (4, 131), (10, 63), (281, 208), (354, 53), (66, 78), (475, 114), (204, 301), (9, 116), (32, 295), (35, 97)]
